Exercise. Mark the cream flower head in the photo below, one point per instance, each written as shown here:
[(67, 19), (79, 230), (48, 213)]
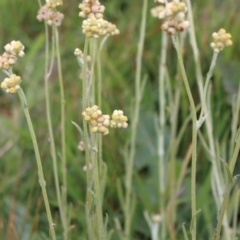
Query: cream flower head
[(221, 39), (11, 84)]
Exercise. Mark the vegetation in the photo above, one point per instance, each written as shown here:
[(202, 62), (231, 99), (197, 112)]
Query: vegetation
[(142, 187)]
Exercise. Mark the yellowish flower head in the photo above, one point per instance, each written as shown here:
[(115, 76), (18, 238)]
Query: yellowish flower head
[(53, 3), (11, 84), (15, 48), (221, 39)]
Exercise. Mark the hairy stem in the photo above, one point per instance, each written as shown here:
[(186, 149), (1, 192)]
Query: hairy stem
[(130, 162), (161, 138), (50, 130), (194, 137), (42, 181)]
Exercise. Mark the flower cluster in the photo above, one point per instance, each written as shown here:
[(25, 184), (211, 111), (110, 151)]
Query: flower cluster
[(221, 39), (100, 123), (118, 120), (13, 50), (9, 57), (174, 14), (94, 25), (50, 15), (7, 61), (78, 53), (53, 3), (11, 84), (91, 8)]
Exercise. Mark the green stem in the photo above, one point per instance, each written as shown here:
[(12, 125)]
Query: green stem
[(129, 165), (99, 97), (98, 196), (86, 140), (194, 137), (63, 135), (99, 72), (91, 86), (50, 130), (223, 209), (193, 43), (42, 181), (209, 75), (161, 138), (235, 155), (207, 111), (84, 106), (234, 125), (203, 96)]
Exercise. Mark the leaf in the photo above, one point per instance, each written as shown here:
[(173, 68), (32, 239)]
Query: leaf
[(79, 129), (230, 178), (184, 232)]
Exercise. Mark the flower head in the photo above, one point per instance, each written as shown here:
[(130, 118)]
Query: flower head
[(7, 60), (15, 48), (96, 27), (118, 120), (91, 8), (98, 122), (11, 84), (174, 14), (221, 39), (53, 3), (78, 52), (51, 16)]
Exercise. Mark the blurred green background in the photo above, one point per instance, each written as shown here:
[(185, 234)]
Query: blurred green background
[(22, 214)]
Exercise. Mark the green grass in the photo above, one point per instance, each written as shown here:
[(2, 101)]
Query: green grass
[(22, 212)]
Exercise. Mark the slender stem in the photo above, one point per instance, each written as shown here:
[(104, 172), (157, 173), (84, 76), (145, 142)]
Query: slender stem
[(129, 165), (203, 93), (42, 181), (98, 198), (235, 155), (203, 96), (223, 209), (86, 139), (153, 226), (92, 83), (209, 75), (84, 105), (99, 74), (235, 212), (193, 43), (194, 137), (206, 110), (236, 109), (50, 130), (63, 135), (99, 97), (161, 138)]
